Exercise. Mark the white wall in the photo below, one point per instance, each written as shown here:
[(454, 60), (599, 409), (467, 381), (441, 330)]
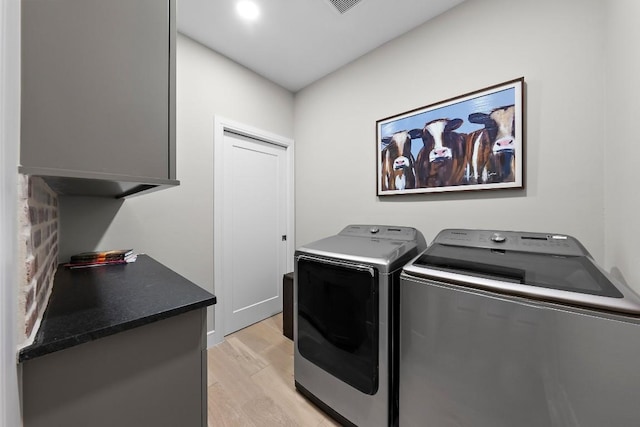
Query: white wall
[(175, 226), (622, 203), (556, 45), (9, 143)]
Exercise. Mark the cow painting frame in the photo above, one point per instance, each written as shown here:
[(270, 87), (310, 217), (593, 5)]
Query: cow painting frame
[(470, 142)]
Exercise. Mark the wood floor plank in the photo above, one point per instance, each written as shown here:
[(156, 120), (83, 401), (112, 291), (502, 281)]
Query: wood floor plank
[(251, 381), (223, 411), (281, 388), (328, 422), (264, 411), (280, 355), (230, 375), (275, 322), (244, 356), (259, 336)]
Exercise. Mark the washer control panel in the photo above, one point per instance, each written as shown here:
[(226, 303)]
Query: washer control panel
[(548, 243)]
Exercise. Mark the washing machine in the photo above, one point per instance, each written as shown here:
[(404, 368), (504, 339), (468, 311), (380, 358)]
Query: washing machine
[(504, 328), (346, 290)]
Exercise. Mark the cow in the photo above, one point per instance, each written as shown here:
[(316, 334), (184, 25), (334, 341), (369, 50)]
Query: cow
[(441, 160), (491, 150), (398, 162)]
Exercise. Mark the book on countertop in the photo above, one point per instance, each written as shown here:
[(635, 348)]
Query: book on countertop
[(116, 254), (95, 259)]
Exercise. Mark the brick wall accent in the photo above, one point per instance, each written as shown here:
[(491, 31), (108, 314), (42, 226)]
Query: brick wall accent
[(38, 243)]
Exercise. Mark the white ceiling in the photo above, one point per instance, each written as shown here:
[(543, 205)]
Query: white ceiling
[(296, 42)]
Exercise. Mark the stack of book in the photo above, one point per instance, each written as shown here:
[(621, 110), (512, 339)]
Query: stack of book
[(94, 259)]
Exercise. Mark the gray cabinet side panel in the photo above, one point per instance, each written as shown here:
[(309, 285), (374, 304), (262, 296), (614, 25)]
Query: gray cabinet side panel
[(147, 376), (173, 58), (95, 86)]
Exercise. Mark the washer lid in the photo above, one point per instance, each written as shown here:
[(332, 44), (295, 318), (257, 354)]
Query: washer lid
[(565, 274), (569, 273)]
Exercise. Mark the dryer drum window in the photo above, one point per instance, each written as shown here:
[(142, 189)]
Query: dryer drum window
[(338, 321)]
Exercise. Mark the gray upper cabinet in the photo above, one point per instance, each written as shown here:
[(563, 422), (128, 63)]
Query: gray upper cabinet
[(98, 94)]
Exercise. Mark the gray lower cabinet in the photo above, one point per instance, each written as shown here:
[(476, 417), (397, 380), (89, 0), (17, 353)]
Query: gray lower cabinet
[(98, 89), (153, 375)]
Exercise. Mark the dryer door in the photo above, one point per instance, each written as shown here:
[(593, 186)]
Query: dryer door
[(337, 319)]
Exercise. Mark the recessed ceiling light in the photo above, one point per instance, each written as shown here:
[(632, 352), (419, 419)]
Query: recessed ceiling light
[(248, 10)]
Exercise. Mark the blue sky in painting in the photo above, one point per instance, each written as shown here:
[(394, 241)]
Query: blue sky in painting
[(461, 110)]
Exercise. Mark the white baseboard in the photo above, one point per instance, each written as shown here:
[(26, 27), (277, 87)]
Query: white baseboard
[(214, 338)]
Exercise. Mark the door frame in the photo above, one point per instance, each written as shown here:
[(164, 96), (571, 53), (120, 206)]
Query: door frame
[(10, 370), (222, 124)]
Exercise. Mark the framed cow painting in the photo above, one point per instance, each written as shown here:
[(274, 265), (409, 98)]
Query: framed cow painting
[(470, 142)]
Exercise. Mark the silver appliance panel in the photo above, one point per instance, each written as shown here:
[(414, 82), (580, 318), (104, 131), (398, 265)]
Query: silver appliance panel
[(474, 358)]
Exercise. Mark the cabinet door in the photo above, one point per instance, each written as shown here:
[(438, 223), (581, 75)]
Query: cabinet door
[(96, 86)]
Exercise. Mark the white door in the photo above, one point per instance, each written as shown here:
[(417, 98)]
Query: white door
[(254, 229)]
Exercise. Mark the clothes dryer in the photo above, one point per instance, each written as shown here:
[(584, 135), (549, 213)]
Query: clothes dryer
[(346, 291)]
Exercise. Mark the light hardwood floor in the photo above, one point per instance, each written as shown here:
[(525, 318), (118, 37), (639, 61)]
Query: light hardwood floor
[(250, 381)]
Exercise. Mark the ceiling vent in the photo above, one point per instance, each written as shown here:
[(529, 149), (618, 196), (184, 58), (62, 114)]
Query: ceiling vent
[(343, 5)]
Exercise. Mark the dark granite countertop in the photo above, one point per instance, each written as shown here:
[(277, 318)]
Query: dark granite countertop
[(91, 303)]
